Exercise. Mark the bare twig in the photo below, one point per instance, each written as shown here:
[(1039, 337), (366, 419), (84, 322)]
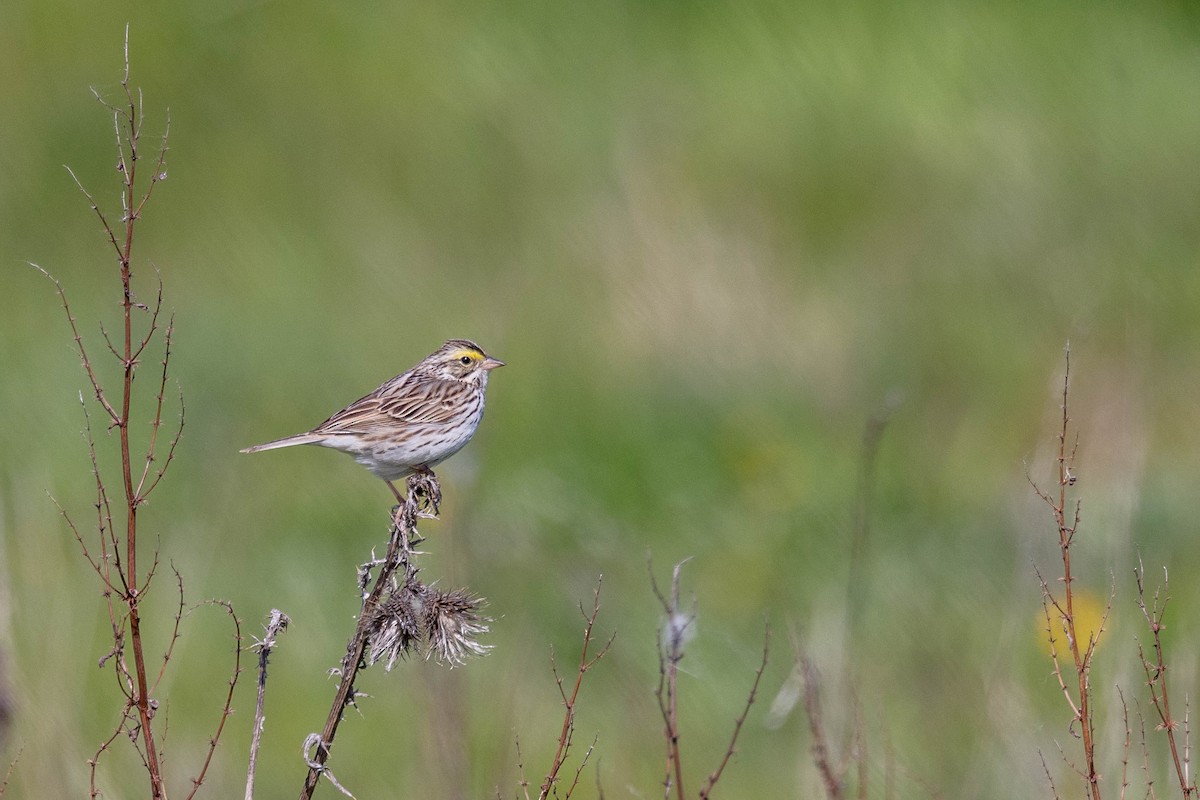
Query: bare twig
[(1048, 602), (160, 172), (227, 707), (94, 761), (741, 719), (522, 781), (110, 542), (114, 559), (1187, 784), (583, 762), (673, 636), (151, 326), (671, 640), (1066, 518), (97, 388), (166, 658), (277, 623), (1049, 777), (1126, 746), (1156, 678), (8, 772), (144, 491), (569, 699), (96, 565), (831, 776), (112, 237)]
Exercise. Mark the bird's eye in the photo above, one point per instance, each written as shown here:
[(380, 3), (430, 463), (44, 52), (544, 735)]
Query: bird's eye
[(465, 360)]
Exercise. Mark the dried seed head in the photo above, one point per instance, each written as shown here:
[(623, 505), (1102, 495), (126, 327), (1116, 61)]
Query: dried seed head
[(681, 628), (395, 628), (442, 625), (452, 623)]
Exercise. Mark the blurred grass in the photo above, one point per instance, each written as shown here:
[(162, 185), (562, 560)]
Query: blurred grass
[(709, 239)]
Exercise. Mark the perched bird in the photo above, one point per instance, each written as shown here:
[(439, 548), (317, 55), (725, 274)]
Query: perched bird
[(414, 421)]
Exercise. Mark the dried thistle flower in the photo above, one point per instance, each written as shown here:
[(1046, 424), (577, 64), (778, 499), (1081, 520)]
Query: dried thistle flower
[(420, 618), (395, 627), (452, 623)]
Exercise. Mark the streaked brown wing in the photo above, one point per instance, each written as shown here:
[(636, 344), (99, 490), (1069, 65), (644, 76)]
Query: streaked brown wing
[(424, 400), (407, 398)]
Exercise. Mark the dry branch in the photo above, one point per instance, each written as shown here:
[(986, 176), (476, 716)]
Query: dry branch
[(114, 556), (1066, 515), (1155, 669), (277, 623), (741, 719), (400, 615), (672, 638), (569, 700)]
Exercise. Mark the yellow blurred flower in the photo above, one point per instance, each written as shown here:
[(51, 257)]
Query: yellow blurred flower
[(1088, 609)]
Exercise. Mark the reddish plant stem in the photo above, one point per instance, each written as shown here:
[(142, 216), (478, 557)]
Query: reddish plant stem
[(1156, 679), (671, 642), (569, 701), (1081, 655), (127, 165), (1066, 534)]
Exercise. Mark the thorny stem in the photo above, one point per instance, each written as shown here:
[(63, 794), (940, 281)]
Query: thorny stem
[(227, 707), (422, 493), (568, 726), (179, 611), (1081, 655), (1156, 679), (1125, 749), (276, 624), (8, 773), (1066, 534), (123, 580), (127, 165), (670, 654), (741, 720)]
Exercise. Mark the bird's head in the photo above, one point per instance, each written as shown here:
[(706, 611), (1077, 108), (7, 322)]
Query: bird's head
[(461, 360)]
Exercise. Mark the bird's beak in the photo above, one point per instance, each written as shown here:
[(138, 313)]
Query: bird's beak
[(492, 363)]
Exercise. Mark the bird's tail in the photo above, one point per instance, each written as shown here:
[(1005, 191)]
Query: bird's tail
[(287, 441)]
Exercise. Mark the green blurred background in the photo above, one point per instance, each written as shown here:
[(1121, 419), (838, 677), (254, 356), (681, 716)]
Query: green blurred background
[(711, 240)]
